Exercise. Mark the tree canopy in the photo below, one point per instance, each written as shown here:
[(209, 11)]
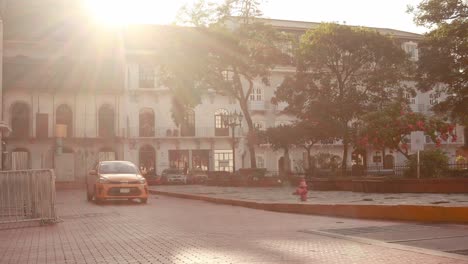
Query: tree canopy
[(343, 72), (237, 53), (443, 54), (391, 127)]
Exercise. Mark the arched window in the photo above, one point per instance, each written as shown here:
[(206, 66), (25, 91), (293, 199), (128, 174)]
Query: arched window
[(146, 127), (106, 121), (20, 159), (221, 128), (187, 128), (64, 116), (147, 160), (20, 120)]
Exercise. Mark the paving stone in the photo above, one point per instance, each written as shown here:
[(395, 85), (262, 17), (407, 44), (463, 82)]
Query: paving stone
[(170, 230)]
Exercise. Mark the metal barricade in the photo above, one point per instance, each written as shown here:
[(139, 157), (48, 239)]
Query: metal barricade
[(27, 195)]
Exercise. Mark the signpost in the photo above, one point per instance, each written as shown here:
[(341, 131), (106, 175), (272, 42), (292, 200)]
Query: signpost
[(417, 144)]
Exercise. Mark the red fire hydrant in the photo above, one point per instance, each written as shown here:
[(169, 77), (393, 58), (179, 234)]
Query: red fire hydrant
[(302, 190)]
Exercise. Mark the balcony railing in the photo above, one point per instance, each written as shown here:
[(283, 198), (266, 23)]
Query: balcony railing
[(258, 106), (197, 132), (421, 108)]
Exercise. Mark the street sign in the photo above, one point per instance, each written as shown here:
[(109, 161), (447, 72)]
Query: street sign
[(417, 141)]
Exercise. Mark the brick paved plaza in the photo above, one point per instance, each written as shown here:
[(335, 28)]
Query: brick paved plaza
[(171, 230)]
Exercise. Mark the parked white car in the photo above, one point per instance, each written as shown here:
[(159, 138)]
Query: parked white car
[(173, 176)]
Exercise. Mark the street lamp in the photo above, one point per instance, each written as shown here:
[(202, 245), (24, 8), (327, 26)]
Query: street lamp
[(233, 120)]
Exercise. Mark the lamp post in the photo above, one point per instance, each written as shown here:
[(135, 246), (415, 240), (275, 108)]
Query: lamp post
[(233, 120)]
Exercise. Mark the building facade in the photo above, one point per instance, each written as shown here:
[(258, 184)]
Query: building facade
[(70, 105)]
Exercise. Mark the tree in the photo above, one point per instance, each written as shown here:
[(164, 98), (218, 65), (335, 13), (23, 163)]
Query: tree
[(280, 137), (391, 127), (443, 54), (308, 134), (234, 56), (342, 71)]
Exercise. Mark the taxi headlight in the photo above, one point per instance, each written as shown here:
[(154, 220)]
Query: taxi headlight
[(142, 180), (103, 180)]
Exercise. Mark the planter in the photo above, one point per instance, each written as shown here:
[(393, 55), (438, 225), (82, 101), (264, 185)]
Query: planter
[(384, 185)]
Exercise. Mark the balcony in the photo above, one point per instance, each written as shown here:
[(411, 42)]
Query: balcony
[(280, 107), (259, 106), (421, 108), (197, 132)]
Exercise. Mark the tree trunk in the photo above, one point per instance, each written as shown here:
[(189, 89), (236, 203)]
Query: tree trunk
[(287, 161), (251, 142), (309, 159), (345, 154)]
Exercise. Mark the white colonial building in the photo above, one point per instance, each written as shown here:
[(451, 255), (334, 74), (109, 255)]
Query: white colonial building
[(71, 102)]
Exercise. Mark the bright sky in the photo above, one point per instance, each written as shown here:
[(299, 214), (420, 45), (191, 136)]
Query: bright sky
[(372, 13)]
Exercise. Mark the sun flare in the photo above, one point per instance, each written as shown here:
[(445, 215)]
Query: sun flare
[(123, 12)]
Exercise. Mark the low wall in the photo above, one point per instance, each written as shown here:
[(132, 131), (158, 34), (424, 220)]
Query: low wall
[(420, 213), (391, 185)]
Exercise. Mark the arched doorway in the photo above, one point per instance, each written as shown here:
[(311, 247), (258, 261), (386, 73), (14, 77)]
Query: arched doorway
[(147, 157), (388, 162)]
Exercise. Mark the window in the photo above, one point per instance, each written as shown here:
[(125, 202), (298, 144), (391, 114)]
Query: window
[(260, 162), (221, 128), (146, 76), (200, 159), (147, 156), (179, 159), (411, 49), (107, 154), (223, 160), (20, 120), (20, 159), (259, 125), (187, 128), (257, 94), (410, 98), (64, 116), (106, 121), (146, 125), (434, 98), (42, 126)]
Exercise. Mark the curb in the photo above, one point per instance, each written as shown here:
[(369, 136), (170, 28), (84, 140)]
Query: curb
[(420, 213)]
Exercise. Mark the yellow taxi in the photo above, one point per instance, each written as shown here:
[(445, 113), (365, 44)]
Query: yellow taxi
[(116, 180)]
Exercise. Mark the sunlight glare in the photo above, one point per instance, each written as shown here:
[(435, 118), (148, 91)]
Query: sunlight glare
[(123, 12)]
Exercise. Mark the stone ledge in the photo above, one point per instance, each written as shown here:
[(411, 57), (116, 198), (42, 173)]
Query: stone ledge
[(421, 213)]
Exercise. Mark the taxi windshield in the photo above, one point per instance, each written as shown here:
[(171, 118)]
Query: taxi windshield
[(117, 168)]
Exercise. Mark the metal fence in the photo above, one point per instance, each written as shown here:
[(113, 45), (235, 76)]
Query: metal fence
[(27, 195), (452, 170)]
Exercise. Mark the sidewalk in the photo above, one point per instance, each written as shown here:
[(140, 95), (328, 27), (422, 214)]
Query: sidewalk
[(284, 195), (451, 208), (179, 231)]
